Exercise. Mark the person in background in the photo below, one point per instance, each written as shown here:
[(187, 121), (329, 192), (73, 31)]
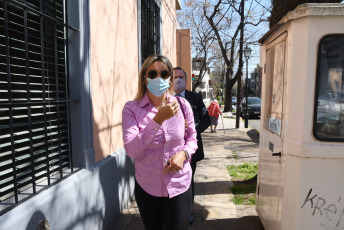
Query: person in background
[(201, 118), (154, 135), (214, 111)]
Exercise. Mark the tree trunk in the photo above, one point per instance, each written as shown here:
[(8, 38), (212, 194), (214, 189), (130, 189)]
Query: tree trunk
[(228, 94)]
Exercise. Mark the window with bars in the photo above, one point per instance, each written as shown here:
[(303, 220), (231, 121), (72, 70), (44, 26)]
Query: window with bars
[(150, 28), (34, 102)]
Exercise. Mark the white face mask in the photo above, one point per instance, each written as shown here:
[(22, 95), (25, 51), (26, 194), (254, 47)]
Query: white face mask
[(179, 84)]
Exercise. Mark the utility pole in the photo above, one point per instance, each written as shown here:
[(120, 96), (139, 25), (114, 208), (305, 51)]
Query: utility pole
[(241, 44), (247, 53)]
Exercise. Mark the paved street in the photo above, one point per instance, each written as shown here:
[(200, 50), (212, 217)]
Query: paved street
[(213, 208), (253, 122)]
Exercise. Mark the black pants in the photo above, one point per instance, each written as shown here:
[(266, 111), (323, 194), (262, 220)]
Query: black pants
[(193, 167), (160, 213)]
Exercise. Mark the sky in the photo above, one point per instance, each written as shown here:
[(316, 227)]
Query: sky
[(254, 59)]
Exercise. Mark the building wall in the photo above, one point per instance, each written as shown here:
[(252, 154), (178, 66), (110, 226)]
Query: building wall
[(114, 59), (204, 87), (114, 66), (169, 25), (94, 196), (88, 199), (184, 59)]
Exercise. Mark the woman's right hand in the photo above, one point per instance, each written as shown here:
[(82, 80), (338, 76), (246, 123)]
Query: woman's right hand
[(166, 111)]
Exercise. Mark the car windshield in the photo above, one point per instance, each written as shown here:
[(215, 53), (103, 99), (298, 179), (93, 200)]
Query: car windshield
[(254, 100)]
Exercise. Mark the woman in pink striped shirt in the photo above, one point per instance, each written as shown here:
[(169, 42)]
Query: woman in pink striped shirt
[(154, 135)]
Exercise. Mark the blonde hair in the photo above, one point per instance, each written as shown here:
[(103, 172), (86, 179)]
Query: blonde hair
[(142, 88)]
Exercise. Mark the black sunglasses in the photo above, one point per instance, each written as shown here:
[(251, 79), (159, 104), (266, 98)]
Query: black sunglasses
[(153, 74)]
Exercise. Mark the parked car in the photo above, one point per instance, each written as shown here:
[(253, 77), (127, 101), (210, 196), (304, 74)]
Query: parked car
[(234, 100), (253, 106)]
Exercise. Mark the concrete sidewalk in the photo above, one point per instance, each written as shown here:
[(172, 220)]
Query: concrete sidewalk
[(213, 208)]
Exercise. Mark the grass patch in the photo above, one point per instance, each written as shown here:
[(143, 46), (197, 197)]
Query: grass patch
[(238, 199), (235, 154), (229, 117), (245, 183), (252, 200), (242, 172)]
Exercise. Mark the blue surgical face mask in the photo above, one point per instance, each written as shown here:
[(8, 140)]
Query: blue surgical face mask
[(158, 86)]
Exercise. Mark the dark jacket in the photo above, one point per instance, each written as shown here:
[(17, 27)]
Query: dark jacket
[(202, 120)]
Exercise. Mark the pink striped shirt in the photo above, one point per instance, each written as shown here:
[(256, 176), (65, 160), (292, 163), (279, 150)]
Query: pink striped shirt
[(151, 145)]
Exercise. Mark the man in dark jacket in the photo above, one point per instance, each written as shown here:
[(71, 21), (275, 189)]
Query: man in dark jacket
[(201, 117)]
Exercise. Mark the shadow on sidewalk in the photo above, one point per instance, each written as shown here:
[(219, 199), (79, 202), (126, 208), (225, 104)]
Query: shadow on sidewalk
[(242, 223), (134, 222), (253, 136), (211, 188), (231, 139), (130, 222)]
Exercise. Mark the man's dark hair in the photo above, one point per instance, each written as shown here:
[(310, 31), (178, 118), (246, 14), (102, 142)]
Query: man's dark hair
[(178, 68)]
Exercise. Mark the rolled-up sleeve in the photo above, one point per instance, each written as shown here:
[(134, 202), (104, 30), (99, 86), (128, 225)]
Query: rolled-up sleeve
[(191, 139), (135, 141)]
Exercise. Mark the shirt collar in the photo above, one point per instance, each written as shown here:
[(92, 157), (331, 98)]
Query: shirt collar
[(145, 100), (182, 93)]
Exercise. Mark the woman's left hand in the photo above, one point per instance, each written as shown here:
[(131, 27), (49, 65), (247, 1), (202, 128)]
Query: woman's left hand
[(176, 163)]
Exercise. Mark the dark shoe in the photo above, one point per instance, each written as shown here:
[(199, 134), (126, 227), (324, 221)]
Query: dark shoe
[(211, 131), (191, 219), (214, 131)]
